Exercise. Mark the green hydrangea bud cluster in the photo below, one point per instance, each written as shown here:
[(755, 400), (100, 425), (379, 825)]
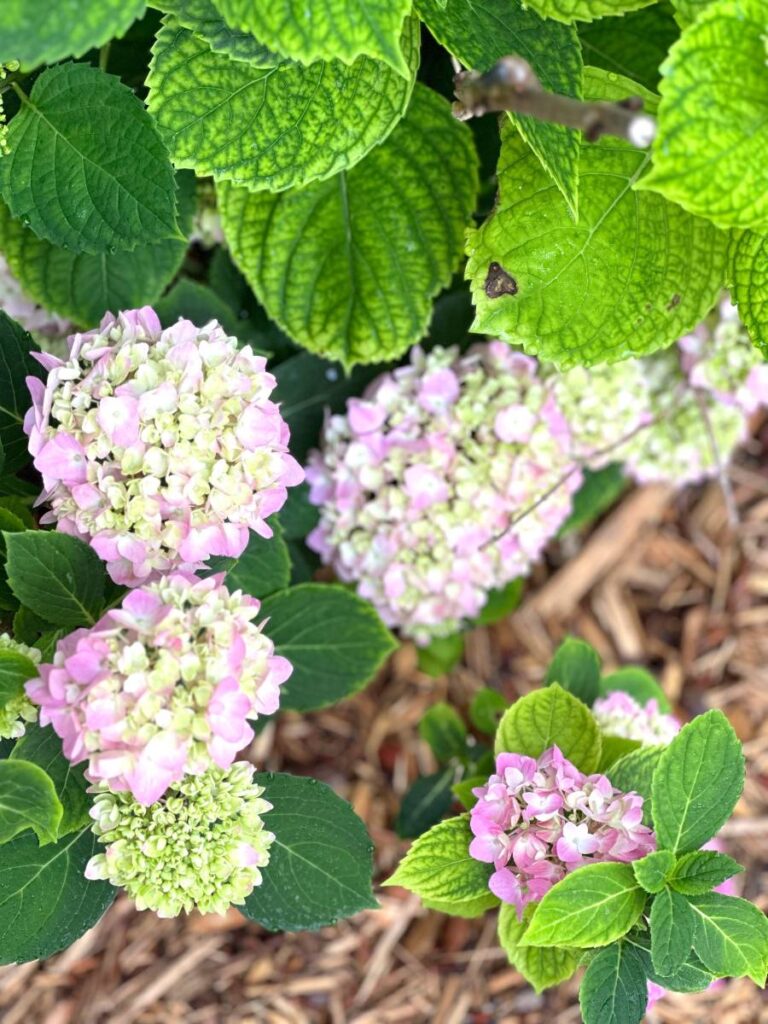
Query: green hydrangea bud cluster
[(201, 846), (18, 710)]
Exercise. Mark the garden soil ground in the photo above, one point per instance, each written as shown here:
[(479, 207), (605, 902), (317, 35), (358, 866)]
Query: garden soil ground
[(662, 580)]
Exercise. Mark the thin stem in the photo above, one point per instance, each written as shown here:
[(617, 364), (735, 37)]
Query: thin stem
[(512, 84), (722, 473), (104, 56)]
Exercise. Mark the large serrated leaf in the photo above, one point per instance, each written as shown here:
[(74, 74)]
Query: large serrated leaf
[(335, 641), (42, 32), (86, 167), (541, 968), (635, 46), (324, 29), (28, 800), (320, 863), (748, 278), (614, 989), (711, 150), (630, 277), (46, 902), (16, 364), (479, 32), (83, 286), (731, 936), (273, 127), (348, 267)]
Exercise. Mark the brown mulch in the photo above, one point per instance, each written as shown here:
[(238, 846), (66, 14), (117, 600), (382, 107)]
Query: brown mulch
[(661, 581)]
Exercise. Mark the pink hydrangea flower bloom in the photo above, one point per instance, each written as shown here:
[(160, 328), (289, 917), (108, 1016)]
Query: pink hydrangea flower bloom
[(162, 686), (619, 714), (536, 820), (159, 447), (420, 484)]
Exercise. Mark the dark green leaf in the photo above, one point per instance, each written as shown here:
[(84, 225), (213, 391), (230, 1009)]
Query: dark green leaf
[(541, 968), (83, 286), (444, 731), (262, 569), (486, 710), (697, 782), (334, 640), (297, 516), (15, 365), (634, 773), (442, 655), (614, 989), (731, 937), (320, 863), (425, 803), (205, 20), (672, 924), (57, 576), (190, 300), (46, 902), (575, 667), (634, 45), (42, 747), (9, 523), (501, 603), (691, 977), (40, 32), (15, 670), (87, 169), (601, 489), (28, 800)]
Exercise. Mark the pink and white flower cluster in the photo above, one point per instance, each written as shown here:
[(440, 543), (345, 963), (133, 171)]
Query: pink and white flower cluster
[(421, 481), (159, 447), (536, 820), (162, 686), (619, 714)]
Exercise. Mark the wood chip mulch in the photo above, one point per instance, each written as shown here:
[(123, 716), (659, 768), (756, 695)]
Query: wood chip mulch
[(661, 581)]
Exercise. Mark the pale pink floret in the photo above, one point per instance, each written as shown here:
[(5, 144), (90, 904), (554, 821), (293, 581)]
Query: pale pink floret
[(159, 447), (537, 820), (619, 714), (163, 686), (422, 482)]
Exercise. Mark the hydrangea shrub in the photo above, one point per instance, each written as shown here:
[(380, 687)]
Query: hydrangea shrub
[(596, 844)]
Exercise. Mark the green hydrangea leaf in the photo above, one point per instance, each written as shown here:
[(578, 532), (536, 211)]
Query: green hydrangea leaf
[(86, 167), (486, 710), (691, 977), (600, 490), (697, 782), (425, 803), (335, 641), (711, 148), (83, 286), (630, 277), (463, 790), (56, 576), (191, 300), (348, 267), (748, 275), (700, 871), (441, 655), (634, 773), (273, 127), (320, 863), (501, 602), (638, 683), (204, 19), (584, 10), (444, 731), (324, 29), (15, 670), (551, 717), (614, 989), (689, 10), (439, 869), (541, 968), (28, 800), (40, 32), (16, 365), (614, 748), (262, 569), (590, 907), (479, 32), (46, 902), (42, 747), (635, 46), (672, 925), (731, 937), (575, 667), (653, 871)]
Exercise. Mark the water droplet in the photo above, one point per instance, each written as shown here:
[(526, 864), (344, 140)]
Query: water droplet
[(332, 374)]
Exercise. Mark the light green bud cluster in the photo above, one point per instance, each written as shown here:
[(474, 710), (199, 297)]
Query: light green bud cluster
[(200, 847)]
